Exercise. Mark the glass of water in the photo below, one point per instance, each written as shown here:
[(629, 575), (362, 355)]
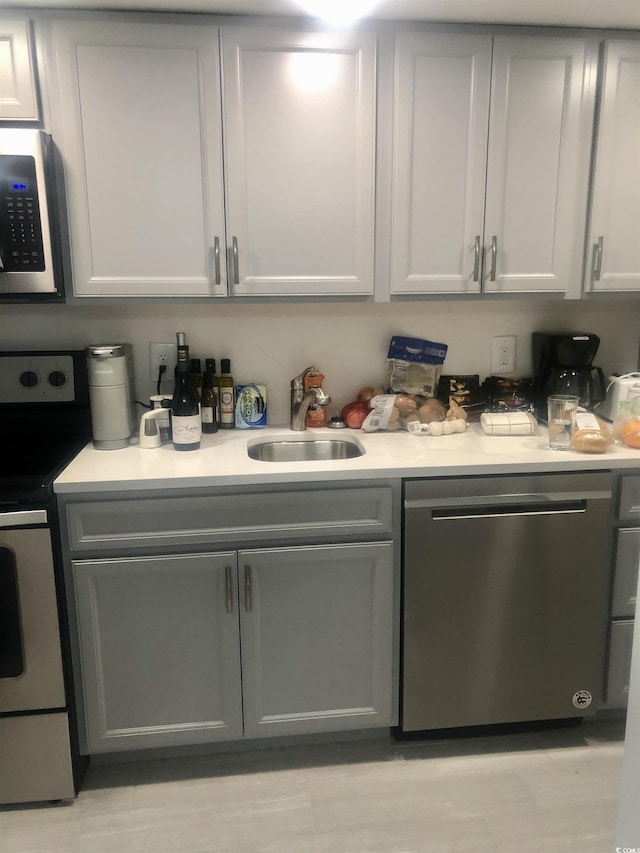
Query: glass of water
[(561, 410)]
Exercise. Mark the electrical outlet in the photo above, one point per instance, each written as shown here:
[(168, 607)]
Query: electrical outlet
[(159, 354), (503, 355)]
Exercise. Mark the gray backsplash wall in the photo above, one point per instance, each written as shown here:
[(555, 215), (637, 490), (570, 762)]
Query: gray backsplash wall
[(348, 342)]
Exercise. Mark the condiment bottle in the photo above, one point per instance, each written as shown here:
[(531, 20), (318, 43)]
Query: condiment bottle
[(209, 404), (227, 419)]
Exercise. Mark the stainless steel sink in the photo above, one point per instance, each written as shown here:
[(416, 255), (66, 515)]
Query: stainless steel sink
[(304, 449)]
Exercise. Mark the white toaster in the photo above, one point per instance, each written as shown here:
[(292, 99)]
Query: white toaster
[(621, 390)]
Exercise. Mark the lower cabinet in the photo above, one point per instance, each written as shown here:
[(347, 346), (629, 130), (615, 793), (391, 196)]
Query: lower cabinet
[(194, 648), (626, 565), (160, 650)]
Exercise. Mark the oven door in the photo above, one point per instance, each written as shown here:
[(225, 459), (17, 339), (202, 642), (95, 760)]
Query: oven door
[(31, 676)]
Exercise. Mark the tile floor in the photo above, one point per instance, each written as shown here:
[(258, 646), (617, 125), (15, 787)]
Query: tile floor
[(544, 792)]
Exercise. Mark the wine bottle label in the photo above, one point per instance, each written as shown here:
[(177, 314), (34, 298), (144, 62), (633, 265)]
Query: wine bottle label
[(226, 405), (187, 430), (207, 415)]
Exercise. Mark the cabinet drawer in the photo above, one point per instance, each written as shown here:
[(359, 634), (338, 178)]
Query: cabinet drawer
[(625, 585), (619, 670), (152, 523), (630, 499)]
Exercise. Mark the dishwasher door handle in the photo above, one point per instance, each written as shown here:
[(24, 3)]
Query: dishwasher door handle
[(508, 511)]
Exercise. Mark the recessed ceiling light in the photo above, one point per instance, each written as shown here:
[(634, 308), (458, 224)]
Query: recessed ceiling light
[(338, 12)]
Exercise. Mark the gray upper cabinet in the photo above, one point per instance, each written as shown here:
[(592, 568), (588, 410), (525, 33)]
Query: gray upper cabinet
[(613, 246), (139, 125), (490, 163), (18, 98)]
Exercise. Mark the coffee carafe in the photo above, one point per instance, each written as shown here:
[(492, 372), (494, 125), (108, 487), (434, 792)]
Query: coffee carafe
[(563, 364)]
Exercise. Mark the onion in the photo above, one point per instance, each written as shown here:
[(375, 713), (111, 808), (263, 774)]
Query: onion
[(365, 395), (355, 413)]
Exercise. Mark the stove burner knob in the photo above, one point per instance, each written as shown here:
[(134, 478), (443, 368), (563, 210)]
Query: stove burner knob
[(29, 379), (57, 378)]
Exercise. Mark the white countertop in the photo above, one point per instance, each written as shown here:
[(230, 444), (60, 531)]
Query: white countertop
[(222, 460)]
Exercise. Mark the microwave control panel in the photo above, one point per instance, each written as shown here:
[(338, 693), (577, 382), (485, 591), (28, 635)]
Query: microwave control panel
[(21, 248)]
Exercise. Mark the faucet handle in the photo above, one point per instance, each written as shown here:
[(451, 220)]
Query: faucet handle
[(322, 398)]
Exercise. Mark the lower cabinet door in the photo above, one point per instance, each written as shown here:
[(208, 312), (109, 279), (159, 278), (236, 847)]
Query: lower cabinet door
[(317, 638), (160, 650)]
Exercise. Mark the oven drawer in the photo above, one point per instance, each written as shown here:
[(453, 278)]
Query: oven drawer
[(36, 758), (295, 515)]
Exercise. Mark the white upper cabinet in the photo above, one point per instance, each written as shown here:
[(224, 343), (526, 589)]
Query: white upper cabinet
[(542, 103), (490, 163), (140, 127), (140, 130), (613, 246), (18, 99), (299, 122), (440, 151)]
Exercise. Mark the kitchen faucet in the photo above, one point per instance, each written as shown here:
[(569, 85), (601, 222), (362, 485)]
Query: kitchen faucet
[(301, 399)]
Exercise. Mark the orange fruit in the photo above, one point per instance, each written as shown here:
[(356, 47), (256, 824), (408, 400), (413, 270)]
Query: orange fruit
[(630, 433)]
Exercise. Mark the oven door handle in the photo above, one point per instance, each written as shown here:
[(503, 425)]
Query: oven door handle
[(22, 517)]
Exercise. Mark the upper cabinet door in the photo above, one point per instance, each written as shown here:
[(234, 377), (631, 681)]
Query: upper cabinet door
[(18, 100), (542, 102), (140, 130), (299, 116), (613, 259), (492, 139), (439, 162)]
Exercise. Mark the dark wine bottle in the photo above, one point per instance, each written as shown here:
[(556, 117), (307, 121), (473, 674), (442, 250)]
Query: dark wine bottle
[(209, 403), (196, 375), (185, 411)]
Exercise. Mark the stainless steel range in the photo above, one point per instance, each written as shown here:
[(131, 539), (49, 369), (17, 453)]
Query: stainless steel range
[(44, 421)]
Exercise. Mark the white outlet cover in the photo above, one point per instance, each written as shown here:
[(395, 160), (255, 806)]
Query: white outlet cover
[(503, 355), (170, 353)]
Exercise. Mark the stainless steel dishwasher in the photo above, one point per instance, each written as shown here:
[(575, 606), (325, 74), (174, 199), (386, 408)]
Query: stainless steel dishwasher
[(504, 598)]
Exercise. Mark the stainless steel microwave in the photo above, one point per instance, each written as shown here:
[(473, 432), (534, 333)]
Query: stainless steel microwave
[(31, 247)]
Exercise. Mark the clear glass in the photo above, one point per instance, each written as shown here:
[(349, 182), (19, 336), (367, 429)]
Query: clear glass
[(561, 413)]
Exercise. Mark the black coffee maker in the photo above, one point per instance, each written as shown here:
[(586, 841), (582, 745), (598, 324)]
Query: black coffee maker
[(563, 364)]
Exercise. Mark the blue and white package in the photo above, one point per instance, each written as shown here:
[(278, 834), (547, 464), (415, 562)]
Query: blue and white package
[(414, 365), (251, 406)]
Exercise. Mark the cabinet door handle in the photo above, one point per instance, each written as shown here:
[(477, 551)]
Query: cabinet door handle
[(216, 260), (476, 263), (236, 269), (247, 589), (596, 265), (228, 582), (494, 256)]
